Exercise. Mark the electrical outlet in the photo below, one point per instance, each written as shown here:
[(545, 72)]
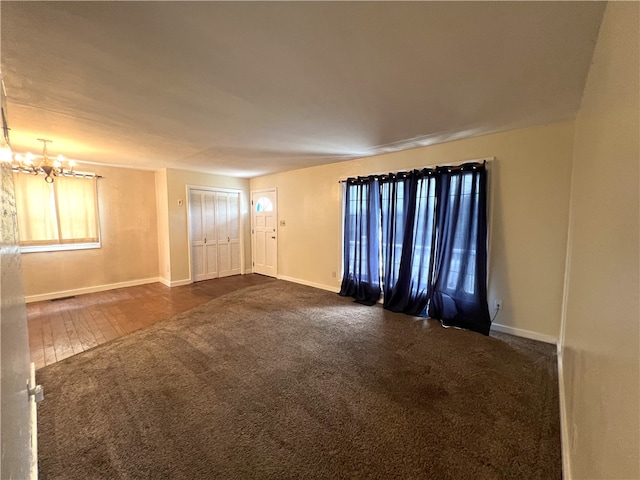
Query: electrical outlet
[(333, 274), (497, 304)]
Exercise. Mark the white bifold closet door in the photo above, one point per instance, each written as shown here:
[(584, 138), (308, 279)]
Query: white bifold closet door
[(214, 219)]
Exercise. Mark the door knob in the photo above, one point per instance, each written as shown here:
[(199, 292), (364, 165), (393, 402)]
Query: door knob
[(273, 238)]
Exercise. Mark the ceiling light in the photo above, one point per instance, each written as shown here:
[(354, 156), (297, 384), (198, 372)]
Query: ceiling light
[(51, 168)]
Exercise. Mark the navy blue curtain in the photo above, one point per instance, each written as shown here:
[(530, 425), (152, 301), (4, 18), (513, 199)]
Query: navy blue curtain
[(459, 289), (430, 228), (361, 250), (408, 240)]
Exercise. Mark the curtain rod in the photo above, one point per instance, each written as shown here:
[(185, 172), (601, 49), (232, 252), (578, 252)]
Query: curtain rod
[(74, 174), (453, 164)]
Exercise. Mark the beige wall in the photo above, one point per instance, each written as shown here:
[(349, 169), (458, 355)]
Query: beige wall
[(177, 182), (162, 204), (600, 347), (127, 206), (530, 185)]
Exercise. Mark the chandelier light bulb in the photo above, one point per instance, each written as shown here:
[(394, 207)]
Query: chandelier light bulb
[(29, 157)]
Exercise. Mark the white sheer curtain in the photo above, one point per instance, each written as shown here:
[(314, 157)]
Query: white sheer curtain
[(77, 212), (61, 212)]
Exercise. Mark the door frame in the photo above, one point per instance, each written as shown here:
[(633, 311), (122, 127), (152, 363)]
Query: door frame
[(240, 221), (253, 242)]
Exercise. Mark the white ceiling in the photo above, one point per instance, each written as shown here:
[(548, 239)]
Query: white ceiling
[(248, 88)]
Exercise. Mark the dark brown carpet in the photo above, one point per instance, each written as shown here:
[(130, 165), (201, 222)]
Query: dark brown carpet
[(285, 381)]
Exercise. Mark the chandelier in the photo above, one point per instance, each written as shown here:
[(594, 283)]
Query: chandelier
[(30, 163)]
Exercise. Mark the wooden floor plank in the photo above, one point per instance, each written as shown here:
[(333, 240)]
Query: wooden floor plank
[(106, 329), (72, 334), (113, 321), (58, 329), (49, 351), (61, 341), (36, 344), (93, 326), (86, 336)]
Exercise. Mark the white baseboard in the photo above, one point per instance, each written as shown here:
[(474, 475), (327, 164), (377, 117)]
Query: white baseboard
[(82, 291), (175, 283), (564, 420), (309, 284), (179, 283), (519, 332), (248, 270)]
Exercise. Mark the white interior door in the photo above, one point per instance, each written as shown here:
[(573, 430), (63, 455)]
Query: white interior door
[(264, 218), (204, 241), (18, 410)]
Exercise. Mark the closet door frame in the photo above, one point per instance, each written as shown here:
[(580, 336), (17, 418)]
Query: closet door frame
[(240, 221)]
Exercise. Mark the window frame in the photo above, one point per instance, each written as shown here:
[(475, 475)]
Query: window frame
[(61, 247)]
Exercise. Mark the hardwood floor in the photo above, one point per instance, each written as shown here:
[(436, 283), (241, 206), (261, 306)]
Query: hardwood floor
[(61, 328)]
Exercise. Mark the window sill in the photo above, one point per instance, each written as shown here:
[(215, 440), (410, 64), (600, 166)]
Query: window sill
[(59, 248)]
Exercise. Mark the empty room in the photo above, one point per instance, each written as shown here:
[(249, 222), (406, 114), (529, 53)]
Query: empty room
[(320, 240)]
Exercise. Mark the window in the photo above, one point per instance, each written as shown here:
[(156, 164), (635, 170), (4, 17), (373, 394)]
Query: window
[(461, 272), (264, 205), (431, 228), (62, 215)]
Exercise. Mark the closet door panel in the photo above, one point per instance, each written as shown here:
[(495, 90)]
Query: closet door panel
[(211, 247), (222, 210), (222, 226), (225, 260), (234, 232), (197, 237)]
